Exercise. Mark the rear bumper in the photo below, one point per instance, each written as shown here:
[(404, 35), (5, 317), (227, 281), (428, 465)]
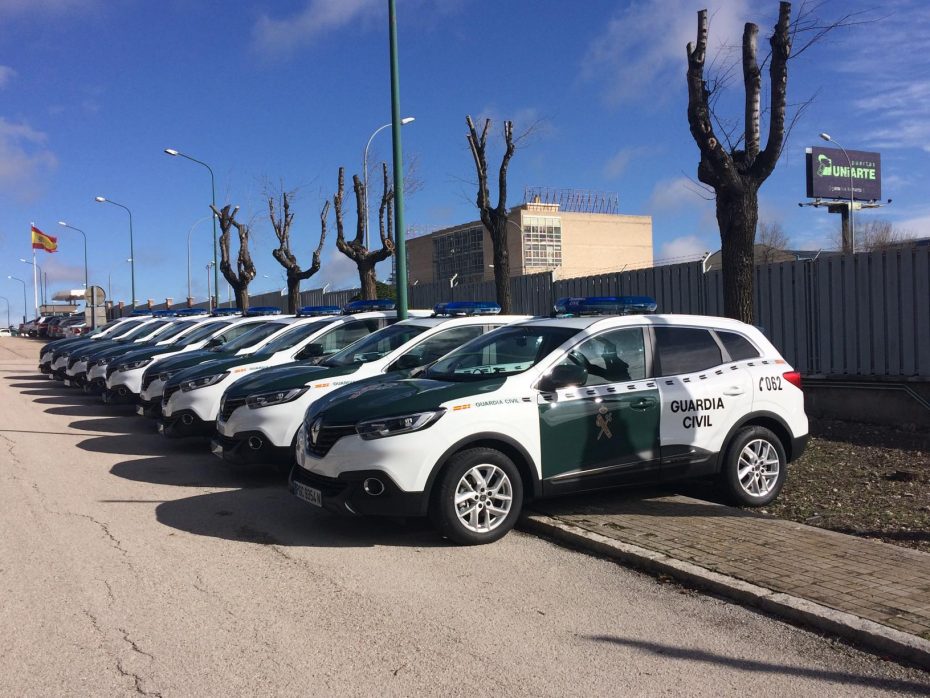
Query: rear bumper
[(799, 446)]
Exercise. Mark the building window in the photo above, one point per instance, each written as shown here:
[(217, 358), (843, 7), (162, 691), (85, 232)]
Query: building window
[(542, 242), (459, 252)]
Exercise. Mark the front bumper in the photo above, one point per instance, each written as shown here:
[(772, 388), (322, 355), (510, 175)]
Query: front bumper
[(346, 494), (120, 395), (251, 449), (184, 423), (148, 408)]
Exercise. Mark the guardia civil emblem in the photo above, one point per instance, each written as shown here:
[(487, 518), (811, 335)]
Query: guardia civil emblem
[(602, 421), (315, 429)]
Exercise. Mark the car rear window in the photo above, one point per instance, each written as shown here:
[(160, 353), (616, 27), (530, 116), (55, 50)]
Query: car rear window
[(737, 346), (685, 350)]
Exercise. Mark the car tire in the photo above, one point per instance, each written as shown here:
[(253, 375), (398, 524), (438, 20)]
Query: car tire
[(491, 477), (755, 467)]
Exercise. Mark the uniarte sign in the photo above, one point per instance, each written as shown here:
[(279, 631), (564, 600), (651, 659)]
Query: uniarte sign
[(830, 173)]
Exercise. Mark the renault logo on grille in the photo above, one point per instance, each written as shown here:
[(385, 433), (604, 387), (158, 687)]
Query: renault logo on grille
[(315, 430)]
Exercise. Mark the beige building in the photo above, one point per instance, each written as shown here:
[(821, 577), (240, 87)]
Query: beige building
[(540, 237)]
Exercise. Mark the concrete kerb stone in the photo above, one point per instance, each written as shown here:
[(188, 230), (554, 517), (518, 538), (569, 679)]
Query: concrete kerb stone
[(865, 633)]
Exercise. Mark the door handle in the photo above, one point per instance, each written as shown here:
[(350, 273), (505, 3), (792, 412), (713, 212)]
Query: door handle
[(644, 403), (733, 391)]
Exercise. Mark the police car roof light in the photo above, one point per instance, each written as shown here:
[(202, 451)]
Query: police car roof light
[(466, 308), (189, 312), (219, 312), (606, 305), (262, 310), (163, 313), (314, 310), (141, 312), (364, 306)]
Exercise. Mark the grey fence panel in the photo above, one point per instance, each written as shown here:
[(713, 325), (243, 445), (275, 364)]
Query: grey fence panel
[(892, 312), (906, 292), (922, 311)]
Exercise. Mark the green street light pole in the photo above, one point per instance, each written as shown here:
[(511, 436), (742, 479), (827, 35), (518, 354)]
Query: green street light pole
[(132, 252), (397, 124), (8, 324), (216, 265)]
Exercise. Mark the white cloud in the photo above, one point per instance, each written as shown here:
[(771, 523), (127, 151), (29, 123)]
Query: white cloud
[(273, 36), (641, 53), (683, 248), (6, 74), (675, 194), (621, 160), (24, 160), (337, 270)]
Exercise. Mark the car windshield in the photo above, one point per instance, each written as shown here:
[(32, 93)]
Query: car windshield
[(375, 345), (124, 329), (144, 331), (503, 352), (206, 330), (250, 338), (173, 330), (292, 337)]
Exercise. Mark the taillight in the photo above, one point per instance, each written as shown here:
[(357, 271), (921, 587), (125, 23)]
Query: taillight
[(794, 378)]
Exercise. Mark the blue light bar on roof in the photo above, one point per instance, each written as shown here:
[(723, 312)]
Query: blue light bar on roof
[(141, 312), (262, 310), (606, 305), (315, 310), (190, 312), (163, 313), (466, 308), (222, 312), (365, 306)]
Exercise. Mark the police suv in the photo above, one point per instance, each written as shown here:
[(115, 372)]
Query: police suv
[(558, 405), (259, 415), (191, 398), (55, 355)]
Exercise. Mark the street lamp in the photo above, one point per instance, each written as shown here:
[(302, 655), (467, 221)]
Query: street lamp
[(852, 225), (189, 252), (132, 252), (216, 271), (93, 312), (8, 323), (210, 264), (40, 292), (24, 295), (406, 120)]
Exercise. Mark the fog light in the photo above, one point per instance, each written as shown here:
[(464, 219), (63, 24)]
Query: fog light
[(373, 486)]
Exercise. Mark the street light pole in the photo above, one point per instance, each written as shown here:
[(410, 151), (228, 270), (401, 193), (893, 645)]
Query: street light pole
[(209, 297), (216, 267), (37, 274), (8, 324), (189, 253), (93, 312), (406, 120), (132, 252), (852, 225), (400, 235), (24, 295)]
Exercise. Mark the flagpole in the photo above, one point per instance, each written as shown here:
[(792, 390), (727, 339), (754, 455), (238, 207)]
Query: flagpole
[(35, 281)]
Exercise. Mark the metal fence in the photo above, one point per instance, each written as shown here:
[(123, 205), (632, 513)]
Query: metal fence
[(866, 314)]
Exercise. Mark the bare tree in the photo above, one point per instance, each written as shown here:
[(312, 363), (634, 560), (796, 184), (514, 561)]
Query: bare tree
[(281, 219), (736, 175), (365, 259), (771, 239), (494, 218), (876, 234), (245, 269)]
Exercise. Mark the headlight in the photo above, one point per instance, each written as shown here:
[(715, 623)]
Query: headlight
[(84, 359), (165, 375), (197, 383), (97, 362), (275, 398), (392, 426), (132, 365)]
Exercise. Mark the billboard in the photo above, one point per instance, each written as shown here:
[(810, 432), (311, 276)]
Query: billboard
[(830, 173)]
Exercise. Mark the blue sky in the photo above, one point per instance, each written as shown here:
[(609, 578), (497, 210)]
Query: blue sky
[(92, 91)]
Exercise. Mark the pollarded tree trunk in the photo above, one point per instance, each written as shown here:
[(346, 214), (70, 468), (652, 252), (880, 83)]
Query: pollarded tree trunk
[(283, 254), (239, 279), (737, 216)]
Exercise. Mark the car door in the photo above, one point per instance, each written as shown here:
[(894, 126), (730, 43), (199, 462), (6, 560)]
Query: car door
[(606, 431), (703, 394)]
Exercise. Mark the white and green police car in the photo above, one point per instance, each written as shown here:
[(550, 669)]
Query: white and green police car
[(557, 405), (191, 398), (259, 415)]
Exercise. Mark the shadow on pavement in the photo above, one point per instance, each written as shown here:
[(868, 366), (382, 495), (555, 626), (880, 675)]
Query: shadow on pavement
[(196, 470), (44, 391), (28, 377), (273, 516), (759, 667), (144, 444), (120, 423), (87, 409)]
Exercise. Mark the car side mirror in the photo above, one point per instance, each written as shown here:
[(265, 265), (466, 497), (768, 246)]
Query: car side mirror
[(407, 362), (563, 376), (313, 350), (215, 342)]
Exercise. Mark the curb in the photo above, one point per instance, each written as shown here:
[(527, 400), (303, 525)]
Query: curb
[(866, 633)]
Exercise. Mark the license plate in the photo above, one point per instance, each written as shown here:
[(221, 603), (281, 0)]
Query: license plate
[(140, 410), (161, 428), (308, 494), (217, 449), (67, 382)]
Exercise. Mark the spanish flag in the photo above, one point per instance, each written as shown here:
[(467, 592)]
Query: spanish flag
[(41, 241)]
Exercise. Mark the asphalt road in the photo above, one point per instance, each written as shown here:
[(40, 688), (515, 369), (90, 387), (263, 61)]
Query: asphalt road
[(133, 564)]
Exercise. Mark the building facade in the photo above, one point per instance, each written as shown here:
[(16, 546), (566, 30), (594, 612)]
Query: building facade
[(540, 237)]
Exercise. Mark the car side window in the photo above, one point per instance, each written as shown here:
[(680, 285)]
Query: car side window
[(612, 357), (236, 331), (685, 350), (347, 333), (737, 346), (442, 343)]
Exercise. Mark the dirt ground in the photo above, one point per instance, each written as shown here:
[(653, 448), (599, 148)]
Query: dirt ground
[(864, 480)]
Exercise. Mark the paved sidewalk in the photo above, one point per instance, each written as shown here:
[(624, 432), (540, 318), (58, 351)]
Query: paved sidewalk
[(877, 582)]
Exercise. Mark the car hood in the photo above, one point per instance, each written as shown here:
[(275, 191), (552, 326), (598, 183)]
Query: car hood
[(384, 396), (190, 358), (217, 365), (293, 375), (148, 352)]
